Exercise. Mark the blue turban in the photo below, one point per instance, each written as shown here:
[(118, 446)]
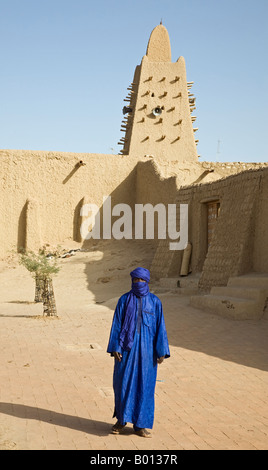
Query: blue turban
[(139, 289), (141, 273)]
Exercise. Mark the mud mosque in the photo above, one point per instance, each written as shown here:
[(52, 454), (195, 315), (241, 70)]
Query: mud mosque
[(42, 192)]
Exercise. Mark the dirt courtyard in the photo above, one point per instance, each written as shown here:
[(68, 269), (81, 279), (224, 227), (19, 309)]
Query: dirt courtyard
[(56, 377)]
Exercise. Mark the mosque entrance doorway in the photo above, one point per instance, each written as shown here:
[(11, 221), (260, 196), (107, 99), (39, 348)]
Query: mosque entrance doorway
[(213, 210)]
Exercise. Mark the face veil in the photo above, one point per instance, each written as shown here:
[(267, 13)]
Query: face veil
[(139, 289)]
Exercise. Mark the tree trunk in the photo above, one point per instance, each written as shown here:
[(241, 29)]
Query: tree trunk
[(39, 288), (49, 305)]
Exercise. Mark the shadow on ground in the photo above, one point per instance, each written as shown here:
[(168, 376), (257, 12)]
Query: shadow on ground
[(89, 426), (243, 342)]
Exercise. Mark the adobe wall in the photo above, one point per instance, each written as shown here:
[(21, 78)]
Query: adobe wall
[(55, 187), (232, 246), (41, 194), (260, 250), (240, 242)]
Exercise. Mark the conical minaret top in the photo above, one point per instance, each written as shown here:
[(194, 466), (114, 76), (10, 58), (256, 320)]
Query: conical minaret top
[(158, 117), (158, 49)]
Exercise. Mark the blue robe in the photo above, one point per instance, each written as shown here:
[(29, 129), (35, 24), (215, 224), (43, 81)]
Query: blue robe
[(134, 377)]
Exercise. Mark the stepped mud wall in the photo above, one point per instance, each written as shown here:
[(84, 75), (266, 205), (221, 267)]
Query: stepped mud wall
[(240, 239)]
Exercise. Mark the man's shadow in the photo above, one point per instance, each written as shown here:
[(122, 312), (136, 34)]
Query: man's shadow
[(89, 426)]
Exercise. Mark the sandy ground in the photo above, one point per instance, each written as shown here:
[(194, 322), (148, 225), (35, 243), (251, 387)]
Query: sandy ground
[(56, 377)]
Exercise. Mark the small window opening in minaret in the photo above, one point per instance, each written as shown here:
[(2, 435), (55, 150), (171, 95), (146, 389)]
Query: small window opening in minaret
[(152, 94)]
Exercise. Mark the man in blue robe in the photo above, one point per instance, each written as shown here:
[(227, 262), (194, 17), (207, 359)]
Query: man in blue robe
[(138, 341)]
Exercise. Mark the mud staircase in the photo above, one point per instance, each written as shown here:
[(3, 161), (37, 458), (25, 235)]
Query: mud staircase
[(244, 298)]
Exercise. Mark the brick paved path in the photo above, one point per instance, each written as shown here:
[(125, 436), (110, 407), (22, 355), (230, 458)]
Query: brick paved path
[(56, 377)]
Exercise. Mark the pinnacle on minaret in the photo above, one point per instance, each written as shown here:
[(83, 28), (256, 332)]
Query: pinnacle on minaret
[(158, 49)]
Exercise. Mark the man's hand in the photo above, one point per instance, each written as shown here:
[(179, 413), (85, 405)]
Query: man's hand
[(160, 359), (117, 356)]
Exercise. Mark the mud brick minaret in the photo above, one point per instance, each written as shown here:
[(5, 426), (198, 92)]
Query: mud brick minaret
[(158, 109)]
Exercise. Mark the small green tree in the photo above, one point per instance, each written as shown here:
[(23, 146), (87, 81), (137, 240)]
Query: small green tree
[(42, 270)]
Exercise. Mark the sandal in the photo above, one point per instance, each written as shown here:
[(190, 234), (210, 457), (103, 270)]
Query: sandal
[(117, 427), (143, 432)]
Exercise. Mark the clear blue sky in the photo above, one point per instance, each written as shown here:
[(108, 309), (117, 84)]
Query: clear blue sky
[(66, 66)]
